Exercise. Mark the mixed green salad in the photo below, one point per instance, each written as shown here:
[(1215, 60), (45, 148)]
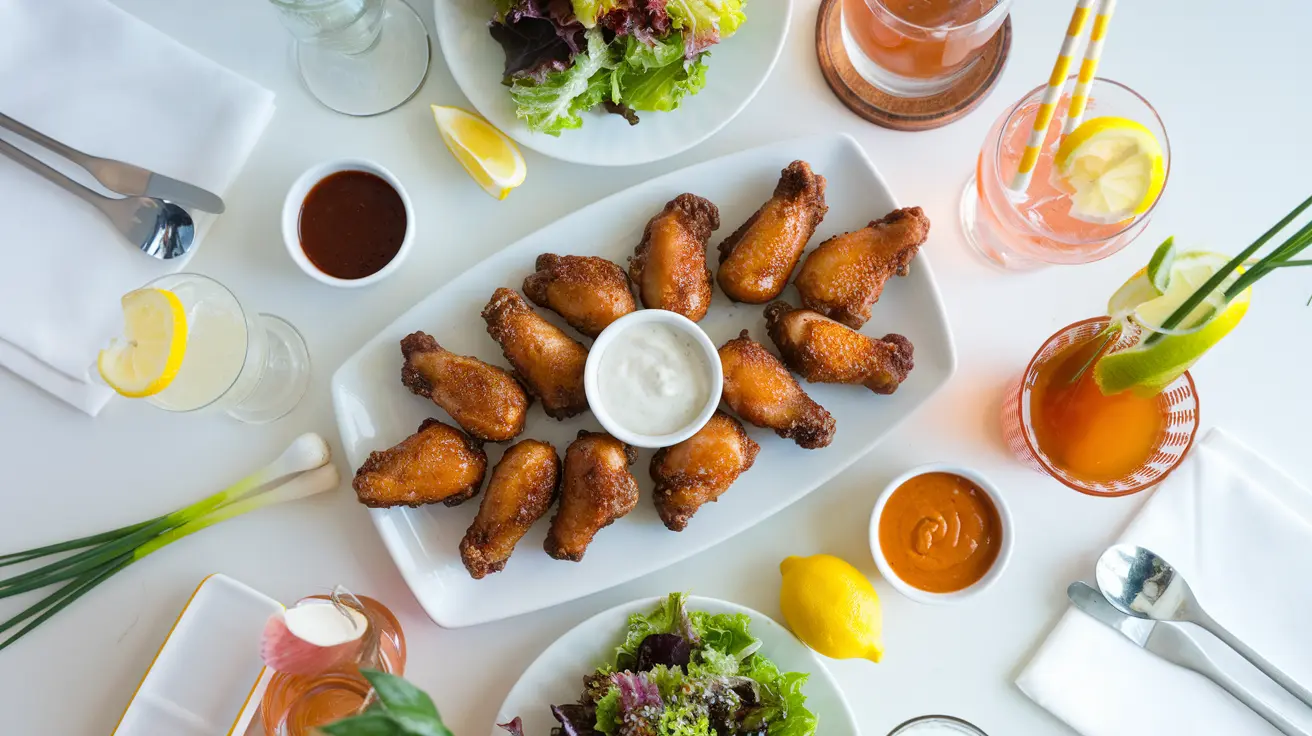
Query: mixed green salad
[(567, 56), (682, 673)]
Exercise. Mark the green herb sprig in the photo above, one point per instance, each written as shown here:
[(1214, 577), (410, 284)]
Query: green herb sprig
[(398, 709)]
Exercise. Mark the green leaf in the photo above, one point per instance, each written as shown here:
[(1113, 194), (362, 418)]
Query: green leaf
[(556, 104), (608, 712), (367, 724), (707, 21), (666, 619), (400, 697)]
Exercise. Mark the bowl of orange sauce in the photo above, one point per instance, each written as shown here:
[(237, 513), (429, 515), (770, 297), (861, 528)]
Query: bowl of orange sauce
[(941, 533)]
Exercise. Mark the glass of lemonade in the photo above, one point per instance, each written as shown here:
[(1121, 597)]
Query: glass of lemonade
[(1033, 228), (916, 48), (254, 367)]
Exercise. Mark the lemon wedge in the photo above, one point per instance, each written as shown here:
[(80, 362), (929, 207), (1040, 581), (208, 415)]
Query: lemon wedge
[(490, 157), (832, 607), (146, 359), (1113, 167)]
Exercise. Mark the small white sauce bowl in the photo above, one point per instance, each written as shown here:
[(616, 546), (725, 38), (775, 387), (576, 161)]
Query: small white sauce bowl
[(979, 586), (291, 220), (710, 355)]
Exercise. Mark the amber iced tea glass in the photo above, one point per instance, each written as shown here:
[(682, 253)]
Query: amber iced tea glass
[(917, 48), (1179, 403)]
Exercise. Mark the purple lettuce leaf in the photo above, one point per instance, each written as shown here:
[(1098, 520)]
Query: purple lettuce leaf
[(575, 719), (515, 727), (538, 38), (671, 650), (645, 20)]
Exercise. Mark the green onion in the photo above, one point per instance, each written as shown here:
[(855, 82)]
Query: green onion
[(302, 470)]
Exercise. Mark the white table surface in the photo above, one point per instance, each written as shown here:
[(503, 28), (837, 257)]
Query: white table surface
[(1230, 82)]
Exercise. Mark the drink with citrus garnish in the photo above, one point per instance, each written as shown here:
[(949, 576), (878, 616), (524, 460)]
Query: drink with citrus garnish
[(1091, 194), (915, 48)]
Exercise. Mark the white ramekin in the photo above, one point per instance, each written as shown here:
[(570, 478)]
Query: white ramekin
[(979, 586), (291, 217), (679, 322)]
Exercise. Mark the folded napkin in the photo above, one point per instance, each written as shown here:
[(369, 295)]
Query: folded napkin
[(90, 75), (1240, 532)]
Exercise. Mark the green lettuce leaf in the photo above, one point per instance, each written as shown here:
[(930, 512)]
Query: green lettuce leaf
[(608, 712), (589, 11), (706, 22), (668, 618), (658, 76), (555, 104)]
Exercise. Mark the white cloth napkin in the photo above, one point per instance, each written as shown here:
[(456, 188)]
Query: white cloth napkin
[(1240, 532), (98, 79)]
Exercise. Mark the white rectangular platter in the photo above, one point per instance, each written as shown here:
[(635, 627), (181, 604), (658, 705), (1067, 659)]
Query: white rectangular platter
[(374, 411)]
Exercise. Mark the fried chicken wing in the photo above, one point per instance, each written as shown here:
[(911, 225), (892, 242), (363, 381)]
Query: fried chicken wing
[(546, 360), (522, 488), (589, 292), (699, 469), (846, 274), (486, 401), (761, 390), (757, 260), (597, 489), (825, 351), (436, 463), (669, 265)]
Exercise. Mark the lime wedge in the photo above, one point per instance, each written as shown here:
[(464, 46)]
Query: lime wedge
[(1159, 267)]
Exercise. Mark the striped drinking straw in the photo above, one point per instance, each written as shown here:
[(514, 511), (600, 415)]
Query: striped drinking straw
[(1089, 67), (1060, 71)]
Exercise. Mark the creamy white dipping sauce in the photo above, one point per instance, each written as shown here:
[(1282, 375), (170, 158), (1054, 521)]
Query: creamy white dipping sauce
[(653, 379)]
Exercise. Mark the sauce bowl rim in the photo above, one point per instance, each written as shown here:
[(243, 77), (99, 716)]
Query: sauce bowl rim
[(291, 217), (710, 355), (979, 586)]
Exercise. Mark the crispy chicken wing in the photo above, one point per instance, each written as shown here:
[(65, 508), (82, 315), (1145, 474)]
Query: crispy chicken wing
[(436, 463), (669, 265), (486, 401), (762, 391), (757, 260), (546, 360), (846, 274), (589, 292), (825, 351), (597, 489), (522, 488), (699, 469)]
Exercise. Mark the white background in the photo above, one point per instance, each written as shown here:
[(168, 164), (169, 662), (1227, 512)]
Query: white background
[(1229, 79)]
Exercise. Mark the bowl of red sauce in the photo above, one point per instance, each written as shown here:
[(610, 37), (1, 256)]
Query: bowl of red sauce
[(941, 533), (348, 222)]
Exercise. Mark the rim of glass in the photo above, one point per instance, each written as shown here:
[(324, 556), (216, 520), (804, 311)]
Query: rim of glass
[(932, 718), (1042, 457), (1037, 92), (246, 353), (1002, 7)]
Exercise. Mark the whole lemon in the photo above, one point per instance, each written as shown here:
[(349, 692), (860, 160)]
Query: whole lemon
[(832, 607)]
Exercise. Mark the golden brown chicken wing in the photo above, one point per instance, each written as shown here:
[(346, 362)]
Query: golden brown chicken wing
[(589, 292), (669, 265), (436, 463), (546, 360), (762, 391), (846, 274), (757, 260), (597, 489), (486, 401), (522, 488), (699, 469), (824, 351)]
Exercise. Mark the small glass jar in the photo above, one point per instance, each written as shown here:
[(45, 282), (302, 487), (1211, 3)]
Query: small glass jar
[(296, 705)]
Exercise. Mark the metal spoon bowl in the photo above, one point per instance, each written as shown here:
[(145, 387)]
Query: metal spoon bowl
[(1140, 583)]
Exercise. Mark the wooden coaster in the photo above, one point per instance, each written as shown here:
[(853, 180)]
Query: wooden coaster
[(904, 113)]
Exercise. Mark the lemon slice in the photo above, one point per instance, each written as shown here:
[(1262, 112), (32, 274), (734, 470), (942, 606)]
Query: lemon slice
[(1113, 168), (146, 359), (1149, 368), (489, 156)]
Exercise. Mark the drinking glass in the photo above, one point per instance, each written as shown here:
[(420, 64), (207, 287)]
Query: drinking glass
[(1028, 230), (253, 366), (358, 57), (917, 48), (1178, 404)]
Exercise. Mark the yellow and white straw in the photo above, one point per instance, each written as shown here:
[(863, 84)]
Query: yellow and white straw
[(1056, 82), (1089, 67)]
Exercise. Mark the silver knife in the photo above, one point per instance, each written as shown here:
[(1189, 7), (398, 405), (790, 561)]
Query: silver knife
[(1173, 645), (121, 177)]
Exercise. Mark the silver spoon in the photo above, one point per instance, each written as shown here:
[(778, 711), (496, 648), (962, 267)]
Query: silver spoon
[(1141, 584), (160, 229)]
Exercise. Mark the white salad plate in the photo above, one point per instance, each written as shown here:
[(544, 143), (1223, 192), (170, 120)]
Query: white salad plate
[(556, 676), (374, 411), (736, 69)]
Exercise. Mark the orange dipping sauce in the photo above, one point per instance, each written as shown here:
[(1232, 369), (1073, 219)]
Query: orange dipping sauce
[(940, 532)]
